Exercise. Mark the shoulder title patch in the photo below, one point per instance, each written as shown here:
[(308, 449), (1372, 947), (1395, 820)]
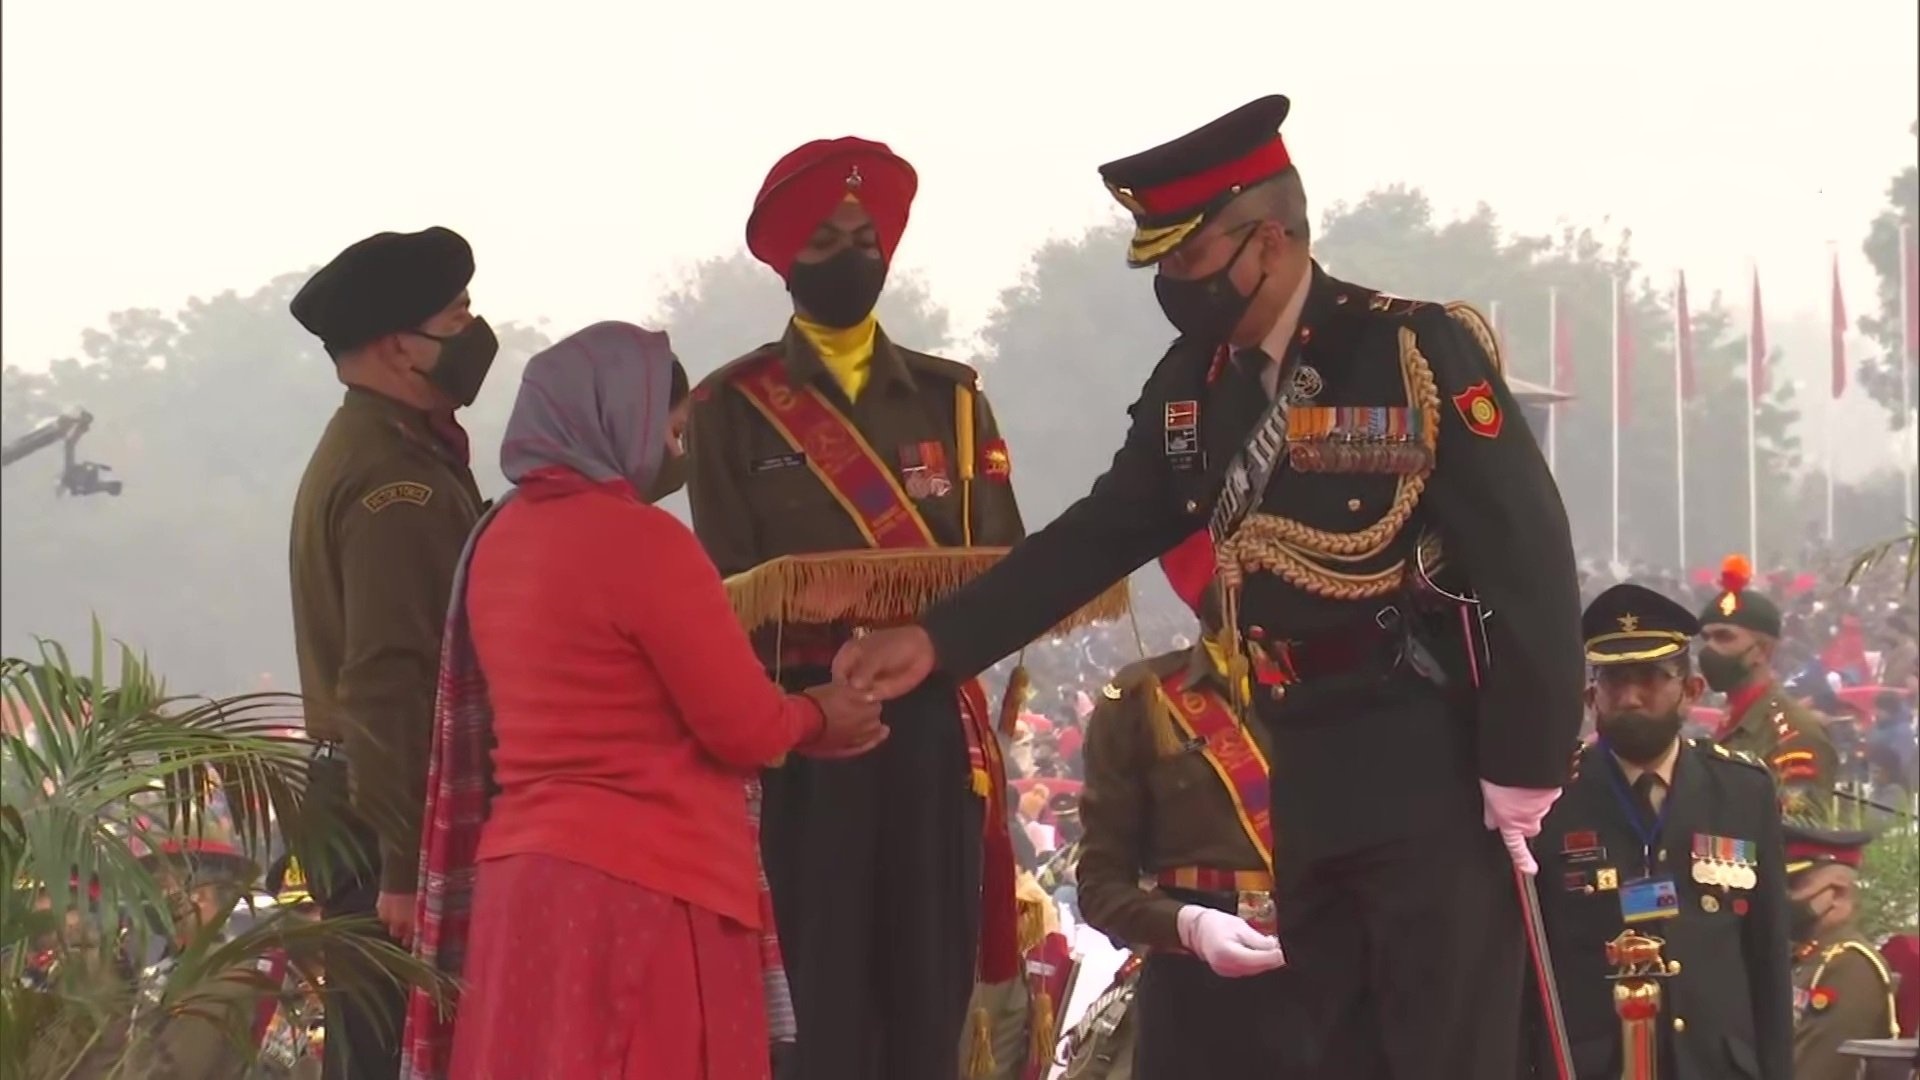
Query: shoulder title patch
[(406, 491), (1478, 410)]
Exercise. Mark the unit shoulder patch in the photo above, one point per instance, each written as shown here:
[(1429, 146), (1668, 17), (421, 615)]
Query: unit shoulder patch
[(401, 491)]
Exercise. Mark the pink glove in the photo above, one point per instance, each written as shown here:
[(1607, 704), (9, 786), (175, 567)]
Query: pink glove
[(1228, 945), (1516, 814)]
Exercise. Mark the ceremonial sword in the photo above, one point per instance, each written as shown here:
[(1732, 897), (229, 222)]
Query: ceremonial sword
[(1536, 932)]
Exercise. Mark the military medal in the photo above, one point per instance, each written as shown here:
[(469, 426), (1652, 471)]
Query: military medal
[(1709, 903), (1306, 384)]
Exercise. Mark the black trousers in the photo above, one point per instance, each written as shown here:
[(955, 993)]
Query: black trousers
[(364, 1026), (875, 869), (1409, 956), (1192, 1023)]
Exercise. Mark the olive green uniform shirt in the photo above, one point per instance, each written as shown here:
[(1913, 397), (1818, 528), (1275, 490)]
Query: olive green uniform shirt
[(382, 514), (1143, 813), (1794, 743)]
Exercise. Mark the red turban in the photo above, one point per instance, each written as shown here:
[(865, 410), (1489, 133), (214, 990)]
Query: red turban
[(1189, 568), (804, 187)]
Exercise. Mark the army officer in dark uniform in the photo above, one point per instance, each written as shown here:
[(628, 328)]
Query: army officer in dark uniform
[(1666, 851), (379, 520), (1400, 577)]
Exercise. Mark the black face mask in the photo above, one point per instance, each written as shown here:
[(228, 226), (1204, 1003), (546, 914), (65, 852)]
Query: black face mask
[(1802, 919), (840, 291), (1724, 672), (1639, 738), (465, 359), (1207, 309)]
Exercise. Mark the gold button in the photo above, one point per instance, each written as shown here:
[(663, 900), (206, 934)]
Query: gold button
[(1353, 504), (1193, 507), (1679, 1023), (1673, 967)]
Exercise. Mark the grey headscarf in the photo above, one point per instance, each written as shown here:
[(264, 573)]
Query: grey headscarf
[(596, 402)]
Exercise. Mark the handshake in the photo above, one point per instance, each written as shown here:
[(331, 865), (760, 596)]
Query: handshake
[(868, 671)]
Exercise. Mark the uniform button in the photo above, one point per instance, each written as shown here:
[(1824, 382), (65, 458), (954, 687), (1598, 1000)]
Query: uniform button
[(1193, 507), (1257, 633), (1353, 504), (1679, 1023)]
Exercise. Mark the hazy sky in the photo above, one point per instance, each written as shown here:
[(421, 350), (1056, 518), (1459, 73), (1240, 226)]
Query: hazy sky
[(591, 150)]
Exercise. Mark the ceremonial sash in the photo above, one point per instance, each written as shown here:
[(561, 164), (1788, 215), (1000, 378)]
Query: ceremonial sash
[(864, 485), (838, 455), (1231, 751)]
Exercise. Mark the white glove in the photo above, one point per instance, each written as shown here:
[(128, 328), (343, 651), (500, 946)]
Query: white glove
[(1227, 943), (1516, 814)]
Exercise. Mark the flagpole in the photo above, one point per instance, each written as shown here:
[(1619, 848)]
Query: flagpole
[(1553, 382), (1837, 361), (1614, 470), (1679, 422), (1753, 451), (1909, 353)]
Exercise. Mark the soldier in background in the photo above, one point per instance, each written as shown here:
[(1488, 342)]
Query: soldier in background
[(1668, 848), (1842, 989), (1175, 795), (381, 515), (1741, 628)]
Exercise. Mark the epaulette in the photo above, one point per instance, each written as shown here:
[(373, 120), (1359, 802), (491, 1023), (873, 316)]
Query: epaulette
[(1478, 326), (1739, 757), (940, 367), (1387, 304)]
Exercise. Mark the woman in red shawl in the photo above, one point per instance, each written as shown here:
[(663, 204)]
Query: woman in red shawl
[(600, 715)]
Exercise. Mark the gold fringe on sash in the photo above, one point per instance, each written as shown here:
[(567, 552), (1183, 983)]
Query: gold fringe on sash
[(1167, 739), (1042, 1021), (876, 587), (1014, 699), (980, 1063)]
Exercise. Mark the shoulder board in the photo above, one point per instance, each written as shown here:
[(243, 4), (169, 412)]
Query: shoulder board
[(1142, 675), (1477, 325), (940, 367), (1387, 304), (1872, 955), (1713, 751), (733, 369)]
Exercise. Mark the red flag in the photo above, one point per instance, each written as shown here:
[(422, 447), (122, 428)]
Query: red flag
[(1909, 294), (1757, 347), (1837, 335), (1683, 335), (1562, 330), (1622, 353)]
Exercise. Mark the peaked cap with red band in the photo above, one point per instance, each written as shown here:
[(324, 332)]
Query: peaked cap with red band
[(1809, 846), (1174, 188), (803, 188), (1190, 568)]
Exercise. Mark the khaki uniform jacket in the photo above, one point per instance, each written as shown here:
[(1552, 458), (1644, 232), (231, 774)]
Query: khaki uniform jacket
[(382, 514), (1143, 813), (1842, 991), (754, 498), (1794, 744)]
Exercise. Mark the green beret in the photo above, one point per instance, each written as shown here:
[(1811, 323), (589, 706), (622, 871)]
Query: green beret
[(1738, 605), (1632, 624), (382, 285)]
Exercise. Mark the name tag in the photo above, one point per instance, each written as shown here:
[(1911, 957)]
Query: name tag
[(1648, 899), (778, 461)]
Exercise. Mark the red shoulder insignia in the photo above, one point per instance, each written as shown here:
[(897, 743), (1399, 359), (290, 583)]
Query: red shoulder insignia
[(1478, 410), (995, 462)]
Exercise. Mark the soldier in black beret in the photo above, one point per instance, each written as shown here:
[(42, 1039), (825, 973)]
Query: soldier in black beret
[(1400, 582), (381, 515), (1662, 851), (1741, 627)]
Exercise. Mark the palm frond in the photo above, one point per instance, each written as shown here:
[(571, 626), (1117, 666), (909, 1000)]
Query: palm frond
[(1867, 560)]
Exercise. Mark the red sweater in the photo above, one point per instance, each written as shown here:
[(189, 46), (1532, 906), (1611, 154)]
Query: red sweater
[(629, 710)]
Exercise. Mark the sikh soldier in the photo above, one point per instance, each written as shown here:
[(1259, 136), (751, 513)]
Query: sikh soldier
[(1741, 627), (1662, 878), (836, 469), (379, 521), (1842, 989), (1400, 577), (1176, 795)]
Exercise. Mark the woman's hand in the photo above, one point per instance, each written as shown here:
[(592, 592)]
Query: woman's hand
[(852, 724)]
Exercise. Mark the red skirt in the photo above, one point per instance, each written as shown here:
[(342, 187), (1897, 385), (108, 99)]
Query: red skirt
[(572, 973)]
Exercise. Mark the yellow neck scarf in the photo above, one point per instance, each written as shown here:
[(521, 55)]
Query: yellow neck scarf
[(847, 353), (1217, 654)]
